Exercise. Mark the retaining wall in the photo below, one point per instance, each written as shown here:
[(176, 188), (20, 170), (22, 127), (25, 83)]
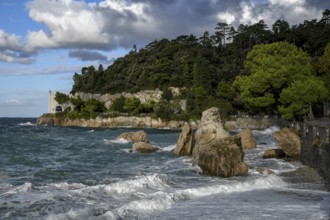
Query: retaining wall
[(315, 149)]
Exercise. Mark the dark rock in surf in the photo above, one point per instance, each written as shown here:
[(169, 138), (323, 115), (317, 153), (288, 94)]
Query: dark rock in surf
[(143, 147), (184, 146), (274, 153), (248, 140), (215, 151), (289, 142), (139, 136)]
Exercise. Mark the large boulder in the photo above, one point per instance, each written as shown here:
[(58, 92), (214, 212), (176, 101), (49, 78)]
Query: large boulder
[(223, 158), (215, 151), (289, 142), (139, 136), (247, 138), (185, 142), (143, 147), (210, 127)]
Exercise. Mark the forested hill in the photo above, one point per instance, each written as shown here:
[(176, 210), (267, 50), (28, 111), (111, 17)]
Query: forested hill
[(204, 61), (256, 69)]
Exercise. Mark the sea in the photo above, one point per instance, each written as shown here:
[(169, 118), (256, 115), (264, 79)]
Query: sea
[(53, 173)]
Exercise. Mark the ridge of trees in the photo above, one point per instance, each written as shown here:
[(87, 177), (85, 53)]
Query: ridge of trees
[(208, 65)]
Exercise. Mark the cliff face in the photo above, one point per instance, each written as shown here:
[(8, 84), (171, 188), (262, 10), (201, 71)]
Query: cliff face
[(121, 121), (143, 96)]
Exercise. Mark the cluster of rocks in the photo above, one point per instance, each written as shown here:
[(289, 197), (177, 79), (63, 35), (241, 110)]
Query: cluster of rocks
[(140, 141), (212, 148), (217, 152)]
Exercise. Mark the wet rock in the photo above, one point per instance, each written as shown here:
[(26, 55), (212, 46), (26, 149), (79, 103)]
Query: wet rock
[(223, 158), (143, 147), (289, 142), (139, 136), (247, 138), (215, 151), (264, 170), (185, 142), (273, 153)]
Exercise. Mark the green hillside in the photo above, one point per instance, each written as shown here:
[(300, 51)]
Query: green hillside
[(206, 66)]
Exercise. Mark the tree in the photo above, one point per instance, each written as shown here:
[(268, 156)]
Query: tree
[(61, 98), (131, 104), (323, 66), (281, 29), (298, 98), (271, 68)]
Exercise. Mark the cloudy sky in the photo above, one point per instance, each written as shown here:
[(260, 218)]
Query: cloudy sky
[(43, 42)]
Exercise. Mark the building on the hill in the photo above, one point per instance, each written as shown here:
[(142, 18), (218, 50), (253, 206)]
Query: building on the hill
[(53, 106)]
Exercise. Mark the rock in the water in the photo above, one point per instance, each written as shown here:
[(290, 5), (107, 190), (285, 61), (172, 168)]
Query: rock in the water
[(273, 153), (215, 152), (139, 136), (211, 127), (263, 170), (223, 158), (143, 147), (247, 138), (184, 145), (289, 142)]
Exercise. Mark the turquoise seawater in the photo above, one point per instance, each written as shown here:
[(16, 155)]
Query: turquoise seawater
[(49, 172)]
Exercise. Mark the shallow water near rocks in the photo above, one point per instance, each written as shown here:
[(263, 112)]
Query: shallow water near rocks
[(82, 173)]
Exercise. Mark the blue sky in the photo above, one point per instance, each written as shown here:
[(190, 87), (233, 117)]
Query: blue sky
[(44, 42)]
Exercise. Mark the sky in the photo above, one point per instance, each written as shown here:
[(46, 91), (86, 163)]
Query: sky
[(44, 42)]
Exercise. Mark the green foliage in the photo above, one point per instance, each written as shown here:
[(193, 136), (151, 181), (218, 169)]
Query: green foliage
[(225, 96), (61, 98), (167, 94), (271, 68), (146, 108), (297, 99), (199, 64), (118, 104), (131, 105), (323, 66), (85, 109)]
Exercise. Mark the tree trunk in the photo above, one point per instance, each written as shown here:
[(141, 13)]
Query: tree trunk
[(311, 115)]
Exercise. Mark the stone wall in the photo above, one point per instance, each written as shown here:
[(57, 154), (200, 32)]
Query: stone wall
[(255, 123), (315, 149)]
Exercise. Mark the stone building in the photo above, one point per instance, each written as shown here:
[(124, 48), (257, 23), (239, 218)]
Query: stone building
[(53, 106)]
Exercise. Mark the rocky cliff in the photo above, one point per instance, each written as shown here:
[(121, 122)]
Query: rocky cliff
[(143, 96)]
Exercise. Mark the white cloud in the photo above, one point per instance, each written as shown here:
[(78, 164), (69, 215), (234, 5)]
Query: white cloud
[(9, 41), (111, 24), (287, 2), (227, 17), (12, 49), (70, 24)]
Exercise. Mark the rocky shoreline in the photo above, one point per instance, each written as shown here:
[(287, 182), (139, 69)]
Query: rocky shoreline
[(207, 141), (110, 122)]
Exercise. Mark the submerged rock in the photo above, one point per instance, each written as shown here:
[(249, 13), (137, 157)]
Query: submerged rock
[(139, 136), (184, 146), (264, 170), (143, 147), (247, 138), (289, 142), (215, 151)]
